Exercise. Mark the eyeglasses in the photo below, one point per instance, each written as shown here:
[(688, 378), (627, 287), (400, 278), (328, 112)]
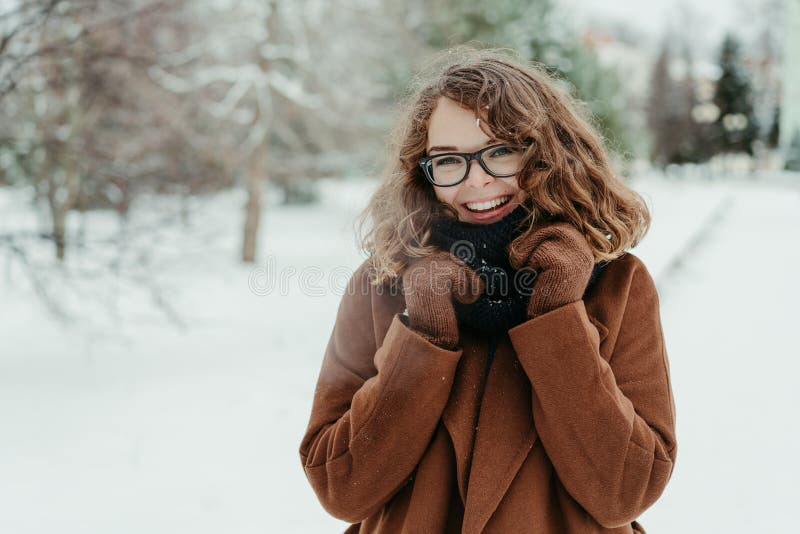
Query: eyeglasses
[(452, 168)]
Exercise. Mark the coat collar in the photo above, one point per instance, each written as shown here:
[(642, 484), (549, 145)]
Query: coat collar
[(495, 433)]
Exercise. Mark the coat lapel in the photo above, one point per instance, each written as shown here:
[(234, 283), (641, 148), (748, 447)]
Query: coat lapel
[(460, 413), (505, 435)]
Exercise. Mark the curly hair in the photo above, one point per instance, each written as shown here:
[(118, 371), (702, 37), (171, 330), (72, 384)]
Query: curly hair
[(566, 170)]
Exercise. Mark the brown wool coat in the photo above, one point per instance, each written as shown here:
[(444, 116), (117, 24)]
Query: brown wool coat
[(575, 432)]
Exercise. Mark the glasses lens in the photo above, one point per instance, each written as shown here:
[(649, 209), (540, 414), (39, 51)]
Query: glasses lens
[(503, 160), (448, 169)]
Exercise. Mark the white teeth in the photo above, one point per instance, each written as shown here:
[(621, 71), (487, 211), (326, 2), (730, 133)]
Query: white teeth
[(478, 206)]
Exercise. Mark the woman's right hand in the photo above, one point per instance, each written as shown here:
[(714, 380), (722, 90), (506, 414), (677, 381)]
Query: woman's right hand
[(429, 285)]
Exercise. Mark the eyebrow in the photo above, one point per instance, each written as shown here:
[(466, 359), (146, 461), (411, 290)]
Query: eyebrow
[(455, 149)]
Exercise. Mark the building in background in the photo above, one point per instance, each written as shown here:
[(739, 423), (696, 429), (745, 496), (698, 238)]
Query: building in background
[(790, 97)]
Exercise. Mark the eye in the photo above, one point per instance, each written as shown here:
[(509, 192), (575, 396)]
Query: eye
[(447, 160), (503, 151)]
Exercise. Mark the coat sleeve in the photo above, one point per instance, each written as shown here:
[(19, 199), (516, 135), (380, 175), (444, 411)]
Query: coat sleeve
[(375, 408), (607, 427)]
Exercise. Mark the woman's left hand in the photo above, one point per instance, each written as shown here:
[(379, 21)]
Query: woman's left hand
[(563, 259)]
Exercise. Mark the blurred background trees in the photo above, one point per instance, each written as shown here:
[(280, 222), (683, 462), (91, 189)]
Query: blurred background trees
[(102, 102), (735, 129), (701, 111)]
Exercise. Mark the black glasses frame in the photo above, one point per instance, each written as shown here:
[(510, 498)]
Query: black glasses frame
[(427, 162)]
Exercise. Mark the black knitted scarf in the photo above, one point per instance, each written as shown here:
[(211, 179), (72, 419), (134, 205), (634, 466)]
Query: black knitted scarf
[(504, 304)]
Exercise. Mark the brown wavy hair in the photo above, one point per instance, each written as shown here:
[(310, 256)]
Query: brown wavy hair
[(566, 171)]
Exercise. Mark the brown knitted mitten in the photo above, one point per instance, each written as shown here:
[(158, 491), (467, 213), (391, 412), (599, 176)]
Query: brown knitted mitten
[(564, 261), (429, 284)]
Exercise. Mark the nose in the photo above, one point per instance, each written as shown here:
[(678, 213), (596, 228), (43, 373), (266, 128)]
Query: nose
[(477, 177)]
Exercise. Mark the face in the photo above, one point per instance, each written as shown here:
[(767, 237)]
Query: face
[(453, 128)]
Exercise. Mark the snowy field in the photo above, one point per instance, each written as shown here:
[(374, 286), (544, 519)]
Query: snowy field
[(170, 393)]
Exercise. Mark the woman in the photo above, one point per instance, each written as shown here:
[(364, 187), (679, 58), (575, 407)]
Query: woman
[(497, 364)]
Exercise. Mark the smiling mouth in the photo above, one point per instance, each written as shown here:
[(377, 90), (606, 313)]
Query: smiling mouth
[(491, 205)]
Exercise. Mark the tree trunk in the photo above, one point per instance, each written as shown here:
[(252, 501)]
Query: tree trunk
[(255, 186), (256, 167), (61, 198), (59, 230)]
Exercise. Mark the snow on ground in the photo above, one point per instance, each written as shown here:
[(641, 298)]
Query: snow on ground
[(176, 398), (730, 321)]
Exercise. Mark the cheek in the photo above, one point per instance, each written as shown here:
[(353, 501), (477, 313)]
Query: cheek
[(447, 194)]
